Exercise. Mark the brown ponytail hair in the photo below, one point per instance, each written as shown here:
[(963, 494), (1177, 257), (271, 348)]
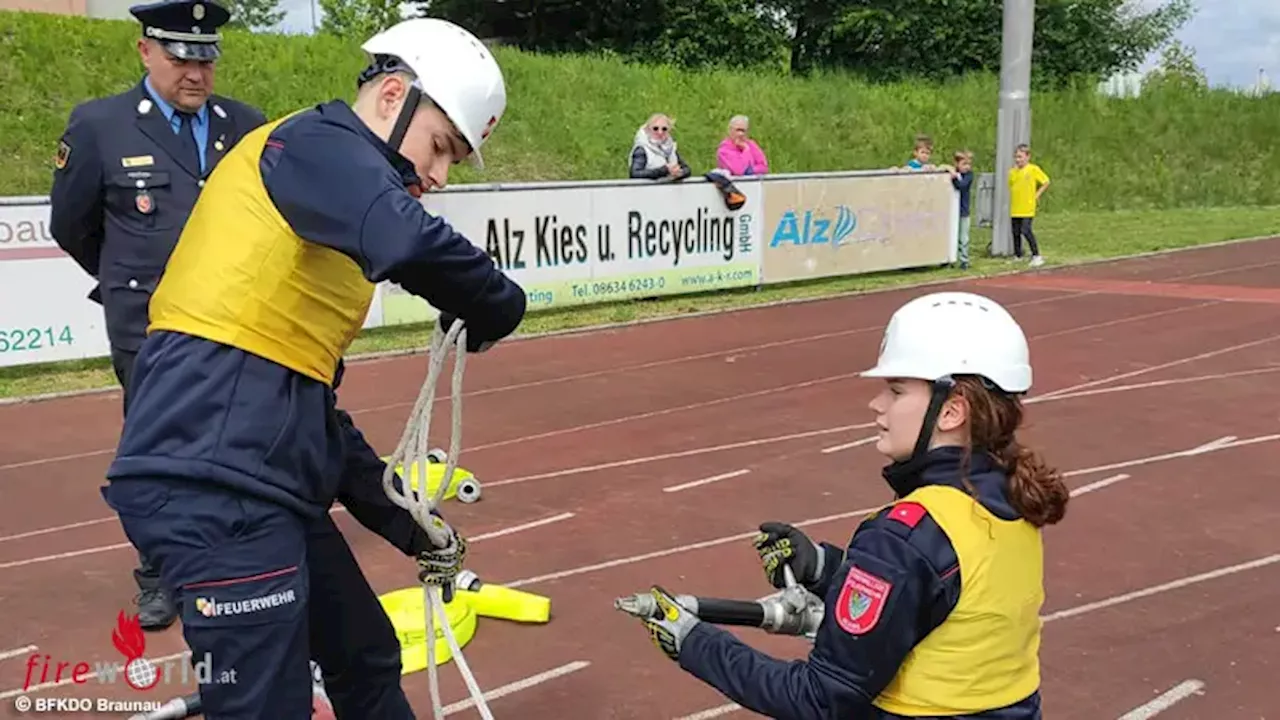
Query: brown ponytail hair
[(1036, 490)]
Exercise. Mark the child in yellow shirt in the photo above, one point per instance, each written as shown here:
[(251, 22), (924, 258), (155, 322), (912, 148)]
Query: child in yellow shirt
[(1027, 182)]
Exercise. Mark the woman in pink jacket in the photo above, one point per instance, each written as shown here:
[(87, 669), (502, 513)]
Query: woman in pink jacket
[(738, 154)]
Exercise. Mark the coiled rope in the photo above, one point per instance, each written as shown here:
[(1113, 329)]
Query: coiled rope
[(411, 454)]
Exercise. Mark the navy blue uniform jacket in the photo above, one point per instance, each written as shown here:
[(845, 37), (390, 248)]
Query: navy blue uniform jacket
[(843, 673), (209, 412), (122, 147)]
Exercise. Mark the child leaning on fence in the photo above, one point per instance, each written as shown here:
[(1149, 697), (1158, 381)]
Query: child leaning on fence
[(962, 180)]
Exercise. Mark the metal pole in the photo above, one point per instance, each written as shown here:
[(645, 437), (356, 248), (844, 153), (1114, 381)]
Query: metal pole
[(1013, 122)]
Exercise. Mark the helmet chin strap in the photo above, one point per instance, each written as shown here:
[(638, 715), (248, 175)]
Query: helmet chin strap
[(384, 64), (904, 475), (405, 117)]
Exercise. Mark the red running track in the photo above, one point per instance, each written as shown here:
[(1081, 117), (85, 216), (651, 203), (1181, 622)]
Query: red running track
[(1154, 578)]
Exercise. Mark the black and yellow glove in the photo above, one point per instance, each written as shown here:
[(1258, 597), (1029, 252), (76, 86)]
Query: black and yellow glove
[(440, 565), (669, 631), (779, 544)]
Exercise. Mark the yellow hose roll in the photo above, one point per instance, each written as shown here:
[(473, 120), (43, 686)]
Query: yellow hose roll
[(406, 608)]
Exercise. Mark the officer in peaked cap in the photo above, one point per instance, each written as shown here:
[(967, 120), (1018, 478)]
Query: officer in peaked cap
[(186, 29), (127, 172)]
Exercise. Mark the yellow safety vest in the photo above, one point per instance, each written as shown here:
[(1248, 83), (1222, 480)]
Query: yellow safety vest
[(241, 276), (985, 655)]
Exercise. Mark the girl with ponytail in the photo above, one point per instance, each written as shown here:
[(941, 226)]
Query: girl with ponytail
[(933, 608)]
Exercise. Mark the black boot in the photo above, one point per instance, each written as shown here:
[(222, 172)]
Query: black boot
[(156, 610)]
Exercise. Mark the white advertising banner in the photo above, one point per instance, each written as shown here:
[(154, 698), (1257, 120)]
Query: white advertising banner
[(45, 312), (603, 241)]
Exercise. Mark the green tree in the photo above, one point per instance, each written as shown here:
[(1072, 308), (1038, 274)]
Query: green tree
[(1177, 71), (688, 33), (253, 14), (357, 20), (893, 39)]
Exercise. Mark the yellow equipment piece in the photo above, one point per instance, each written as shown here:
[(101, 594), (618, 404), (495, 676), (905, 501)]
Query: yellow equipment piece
[(503, 603), (471, 600), (463, 486), (407, 611)]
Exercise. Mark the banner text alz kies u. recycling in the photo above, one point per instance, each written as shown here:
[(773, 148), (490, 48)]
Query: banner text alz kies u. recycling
[(553, 243)]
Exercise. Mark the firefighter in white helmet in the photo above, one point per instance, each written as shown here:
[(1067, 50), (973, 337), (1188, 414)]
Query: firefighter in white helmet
[(233, 449), (933, 608)]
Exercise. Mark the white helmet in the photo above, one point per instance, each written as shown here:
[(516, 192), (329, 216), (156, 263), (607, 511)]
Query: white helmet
[(955, 333), (454, 69)]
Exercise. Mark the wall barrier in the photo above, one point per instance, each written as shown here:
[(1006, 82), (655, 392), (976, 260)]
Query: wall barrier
[(566, 243)]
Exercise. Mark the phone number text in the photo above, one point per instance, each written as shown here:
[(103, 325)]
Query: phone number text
[(14, 340), (618, 287)]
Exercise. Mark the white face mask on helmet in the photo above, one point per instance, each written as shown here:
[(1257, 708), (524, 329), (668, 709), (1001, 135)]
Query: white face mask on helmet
[(453, 69), (955, 333)]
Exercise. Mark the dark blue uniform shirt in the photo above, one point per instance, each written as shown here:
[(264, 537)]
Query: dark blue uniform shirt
[(211, 412), (844, 673), (123, 189)]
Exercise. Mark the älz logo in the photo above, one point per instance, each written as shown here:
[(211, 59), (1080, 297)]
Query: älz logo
[(139, 673), (815, 230)]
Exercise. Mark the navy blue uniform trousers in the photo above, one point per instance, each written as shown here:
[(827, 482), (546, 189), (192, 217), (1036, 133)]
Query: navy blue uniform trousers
[(241, 563)]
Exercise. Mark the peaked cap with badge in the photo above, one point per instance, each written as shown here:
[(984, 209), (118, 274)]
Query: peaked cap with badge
[(187, 29)]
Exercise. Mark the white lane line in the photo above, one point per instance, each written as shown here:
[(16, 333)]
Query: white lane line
[(120, 546), (5, 655), (854, 444), (63, 556), (714, 712), (519, 528), (1153, 368), (1214, 446), (1163, 588), (517, 686), (117, 667), (1098, 485), (679, 454), (58, 528), (705, 481), (1174, 695), (56, 459), (1151, 384), (664, 411), (1131, 318)]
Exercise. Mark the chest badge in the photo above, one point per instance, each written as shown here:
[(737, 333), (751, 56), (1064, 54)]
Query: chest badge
[(144, 202)]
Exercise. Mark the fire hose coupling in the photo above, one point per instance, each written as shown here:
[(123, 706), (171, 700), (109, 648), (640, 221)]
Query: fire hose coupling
[(785, 614)]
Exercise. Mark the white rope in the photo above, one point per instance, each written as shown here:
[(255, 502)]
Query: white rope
[(411, 455)]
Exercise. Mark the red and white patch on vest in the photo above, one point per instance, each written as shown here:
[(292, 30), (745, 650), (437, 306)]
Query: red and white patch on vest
[(861, 601), (908, 513)]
